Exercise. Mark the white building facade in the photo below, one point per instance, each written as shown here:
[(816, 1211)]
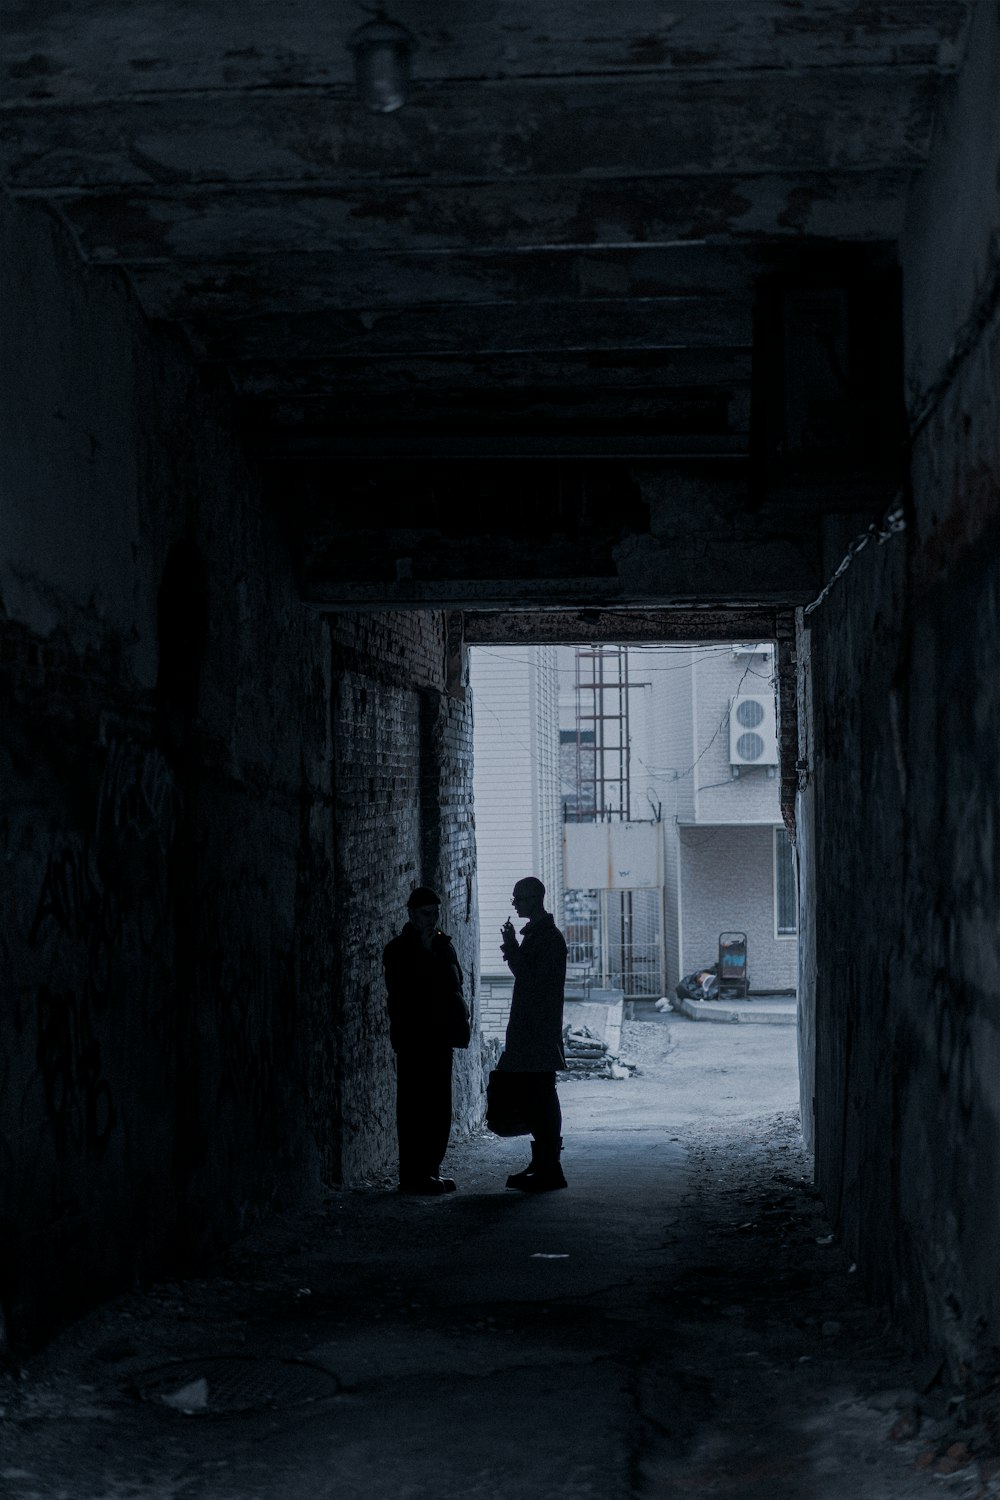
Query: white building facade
[(703, 761), (518, 809)]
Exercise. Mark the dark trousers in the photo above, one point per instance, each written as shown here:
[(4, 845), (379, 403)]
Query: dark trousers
[(423, 1112), (543, 1115)]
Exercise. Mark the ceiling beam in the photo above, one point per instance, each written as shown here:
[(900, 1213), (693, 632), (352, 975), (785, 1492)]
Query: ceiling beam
[(652, 626), (524, 129), (592, 409), (296, 282), (100, 49), (772, 590), (193, 224), (320, 381), (308, 447), (609, 324)]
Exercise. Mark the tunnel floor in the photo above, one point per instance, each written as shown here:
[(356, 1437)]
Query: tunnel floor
[(678, 1324)]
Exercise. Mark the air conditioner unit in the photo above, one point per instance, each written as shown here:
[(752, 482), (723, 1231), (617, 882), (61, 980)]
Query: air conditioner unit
[(753, 736)]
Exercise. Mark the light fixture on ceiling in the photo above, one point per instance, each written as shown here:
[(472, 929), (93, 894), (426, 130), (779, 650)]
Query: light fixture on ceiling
[(382, 50)]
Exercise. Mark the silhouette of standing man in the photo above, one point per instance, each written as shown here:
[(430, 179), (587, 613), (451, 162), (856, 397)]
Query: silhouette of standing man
[(533, 1047), (427, 1018)]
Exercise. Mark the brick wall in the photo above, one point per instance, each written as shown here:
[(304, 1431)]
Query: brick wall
[(495, 1007), (403, 817)]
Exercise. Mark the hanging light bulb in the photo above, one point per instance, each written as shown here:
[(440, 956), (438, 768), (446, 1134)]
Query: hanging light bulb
[(382, 51)]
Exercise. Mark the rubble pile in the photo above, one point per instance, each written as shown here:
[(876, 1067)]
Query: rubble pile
[(956, 1424), (587, 1056)]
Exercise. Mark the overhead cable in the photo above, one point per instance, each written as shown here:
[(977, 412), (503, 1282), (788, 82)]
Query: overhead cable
[(878, 532)]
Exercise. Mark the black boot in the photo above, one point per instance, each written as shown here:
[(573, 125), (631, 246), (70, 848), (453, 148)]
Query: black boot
[(547, 1174), (546, 1180)]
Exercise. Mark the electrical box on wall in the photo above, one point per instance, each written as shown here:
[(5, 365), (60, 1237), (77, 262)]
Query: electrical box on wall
[(615, 856), (753, 730)]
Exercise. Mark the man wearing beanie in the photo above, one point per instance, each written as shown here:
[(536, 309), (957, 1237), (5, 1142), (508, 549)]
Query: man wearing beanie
[(427, 1018)]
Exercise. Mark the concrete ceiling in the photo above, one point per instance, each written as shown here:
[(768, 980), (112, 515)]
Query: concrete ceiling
[(551, 250)]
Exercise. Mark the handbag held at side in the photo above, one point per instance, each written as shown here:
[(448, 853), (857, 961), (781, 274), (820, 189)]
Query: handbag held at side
[(504, 1107)]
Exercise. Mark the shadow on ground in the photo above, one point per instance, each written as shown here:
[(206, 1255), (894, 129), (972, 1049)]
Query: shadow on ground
[(680, 1323)]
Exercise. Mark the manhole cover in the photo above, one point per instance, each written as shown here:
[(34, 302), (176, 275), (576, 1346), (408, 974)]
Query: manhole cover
[(227, 1384)]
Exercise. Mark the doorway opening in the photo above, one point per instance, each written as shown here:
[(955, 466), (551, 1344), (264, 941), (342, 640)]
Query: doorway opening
[(640, 782)]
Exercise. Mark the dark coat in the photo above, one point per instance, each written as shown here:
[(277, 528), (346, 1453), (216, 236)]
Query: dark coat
[(427, 1010), (534, 1031)]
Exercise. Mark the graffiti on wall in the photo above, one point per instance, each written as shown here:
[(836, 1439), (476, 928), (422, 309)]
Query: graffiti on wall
[(138, 797), (98, 925)]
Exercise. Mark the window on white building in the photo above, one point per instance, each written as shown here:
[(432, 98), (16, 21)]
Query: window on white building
[(786, 898)]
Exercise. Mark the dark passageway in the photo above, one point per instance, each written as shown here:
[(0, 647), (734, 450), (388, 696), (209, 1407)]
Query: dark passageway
[(633, 324), (682, 1322)]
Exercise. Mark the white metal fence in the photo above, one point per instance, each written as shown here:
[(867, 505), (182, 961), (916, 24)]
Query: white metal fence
[(615, 940)]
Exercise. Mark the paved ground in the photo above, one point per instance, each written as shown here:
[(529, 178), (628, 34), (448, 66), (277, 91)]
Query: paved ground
[(760, 1010), (677, 1324)]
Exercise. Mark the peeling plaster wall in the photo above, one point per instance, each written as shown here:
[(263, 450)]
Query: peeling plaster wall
[(165, 814), (906, 866)]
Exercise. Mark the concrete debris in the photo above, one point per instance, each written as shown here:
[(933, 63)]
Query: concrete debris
[(588, 1055), (959, 1426)]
